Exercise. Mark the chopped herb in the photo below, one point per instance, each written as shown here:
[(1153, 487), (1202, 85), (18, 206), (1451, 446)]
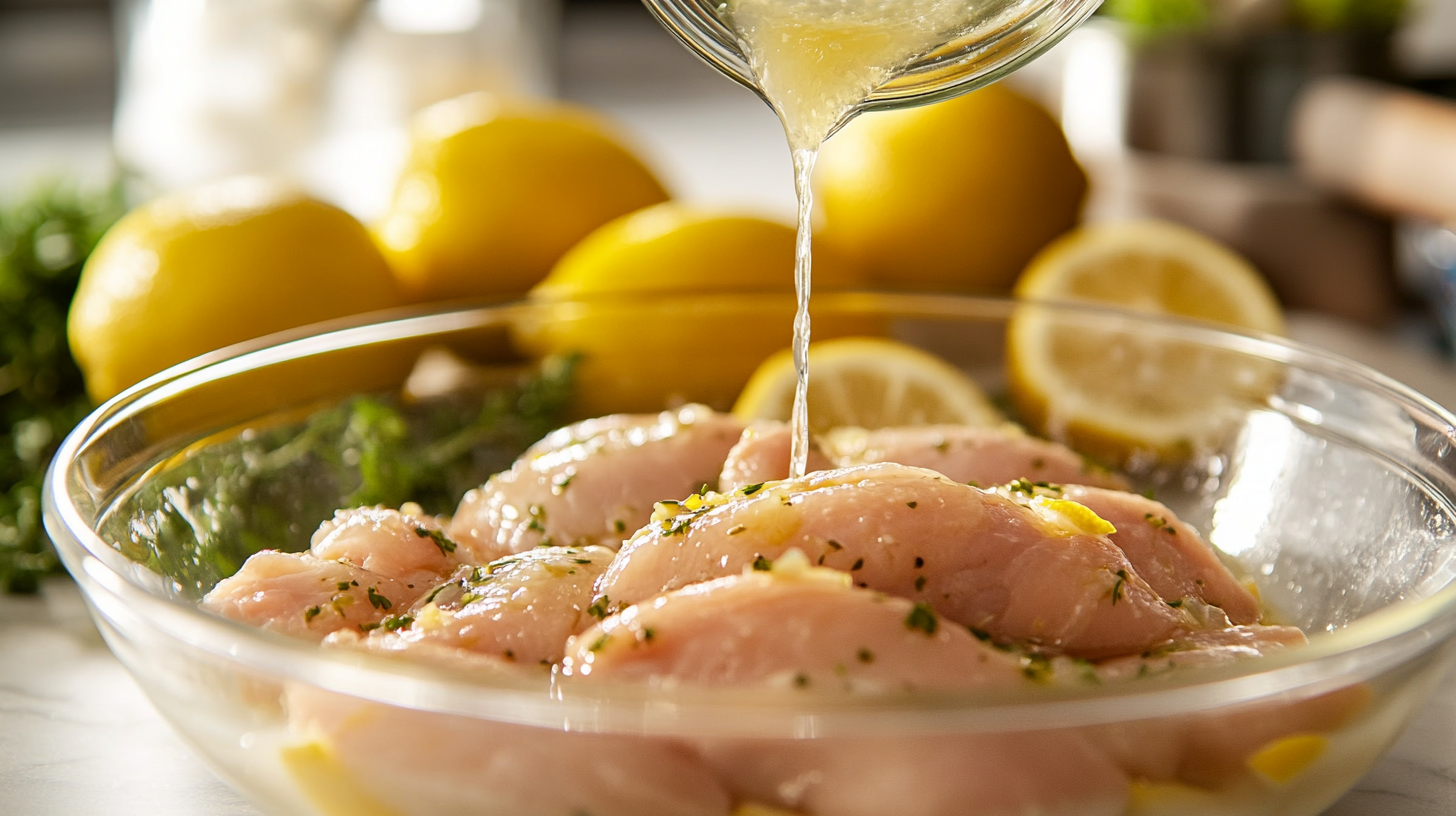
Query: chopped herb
[(736, 529), (368, 627), (438, 536), (835, 545), (762, 564), (911, 504), (677, 525), (865, 656), (378, 601), (1178, 604), (1148, 494), (537, 511), (600, 643), (1156, 522), (749, 490), (919, 583), (600, 608), (561, 482), (619, 526), (858, 563), (979, 634), (310, 613), (941, 446), (534, 525), (922, 617), (973, 484), (919, 562), (1036, 667), (581, 560), (703, 491), (648, 633), (343, 586), (1119, 586), (394, 623)]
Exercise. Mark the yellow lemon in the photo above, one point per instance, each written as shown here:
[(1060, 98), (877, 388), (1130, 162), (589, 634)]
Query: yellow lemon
[(496, 193), (867, 382), (677, 304), (200, 270), (949, 197), (1109, 387)]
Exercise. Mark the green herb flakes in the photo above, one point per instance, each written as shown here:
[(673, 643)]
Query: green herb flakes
[(923, 618)]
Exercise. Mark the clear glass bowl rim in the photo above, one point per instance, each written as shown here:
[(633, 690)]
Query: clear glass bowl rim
[(115, 587)]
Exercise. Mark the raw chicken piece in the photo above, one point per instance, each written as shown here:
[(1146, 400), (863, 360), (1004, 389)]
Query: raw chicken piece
[(979, 456), (1023, 572), (762, 455), (595, 481), (963, 453), (306, 597), (1210, 749), (406, 546), (1050, 773), (1214, 647), (414, 763), (793, 627), (521, 607), (1167, 553)]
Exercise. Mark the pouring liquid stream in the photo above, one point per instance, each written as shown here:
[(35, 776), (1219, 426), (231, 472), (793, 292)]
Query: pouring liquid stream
[(816, 61)]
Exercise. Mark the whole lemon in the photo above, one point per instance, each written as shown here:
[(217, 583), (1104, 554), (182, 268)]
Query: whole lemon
[(949, 197), (199, 270), (495, 193), (676, 304)]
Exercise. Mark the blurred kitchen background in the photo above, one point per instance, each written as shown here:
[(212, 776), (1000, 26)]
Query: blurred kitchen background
[(1318, 137)]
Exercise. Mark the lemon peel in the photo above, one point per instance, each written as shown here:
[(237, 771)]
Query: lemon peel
[(1284, 759), (326, 783)]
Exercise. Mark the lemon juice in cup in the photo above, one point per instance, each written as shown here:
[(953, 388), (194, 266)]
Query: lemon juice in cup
[(820, 62)]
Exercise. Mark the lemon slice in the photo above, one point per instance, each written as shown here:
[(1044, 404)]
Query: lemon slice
[(868, 383), (1111, 386)]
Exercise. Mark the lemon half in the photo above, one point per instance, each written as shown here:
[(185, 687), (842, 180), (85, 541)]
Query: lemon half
[(1110, 386), (869, 383)]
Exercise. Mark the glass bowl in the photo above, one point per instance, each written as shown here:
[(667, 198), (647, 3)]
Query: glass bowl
[(1005, 37), (1328, 485)]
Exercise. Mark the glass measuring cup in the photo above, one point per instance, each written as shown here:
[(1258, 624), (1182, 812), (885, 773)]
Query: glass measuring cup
[(1006, 35)]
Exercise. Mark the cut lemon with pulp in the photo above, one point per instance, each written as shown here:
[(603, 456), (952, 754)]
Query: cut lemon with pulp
[(1112, 384), (868, 383)]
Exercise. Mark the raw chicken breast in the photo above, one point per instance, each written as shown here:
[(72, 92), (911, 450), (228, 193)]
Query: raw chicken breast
[(1212, 647), (963, 453), (1024, 572), (306, 597), (408, 547), (414, 763), (762, 455), (1055, 773), (1167, 553), (793, 627), (521, 607), (595, 481)]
